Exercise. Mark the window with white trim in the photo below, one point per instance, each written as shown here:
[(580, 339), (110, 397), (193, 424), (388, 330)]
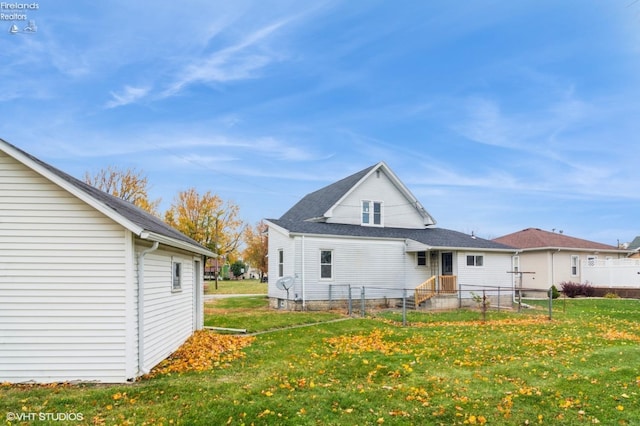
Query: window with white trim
[(280, 263), (475, 260), (326, 264), (176, 280), (421, 258), (372, 213), (575, 261)]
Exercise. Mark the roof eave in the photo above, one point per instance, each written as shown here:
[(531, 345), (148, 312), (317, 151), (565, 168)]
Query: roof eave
[(152, 236)]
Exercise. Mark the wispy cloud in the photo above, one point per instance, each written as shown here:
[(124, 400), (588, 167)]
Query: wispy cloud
[(236, 62), (127, 96)]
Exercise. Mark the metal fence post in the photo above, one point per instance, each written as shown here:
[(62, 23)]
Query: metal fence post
[(362, 301), (498, 299), (350, 303), (550, 303), (330, 300), (404, 306)]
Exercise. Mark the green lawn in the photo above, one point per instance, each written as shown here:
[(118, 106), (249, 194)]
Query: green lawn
[(582, 368), (253, 314), (235, 287)]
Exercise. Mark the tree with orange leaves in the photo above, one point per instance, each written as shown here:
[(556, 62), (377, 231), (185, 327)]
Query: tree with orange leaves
[(208, 220), (128, 184), (256, 243)]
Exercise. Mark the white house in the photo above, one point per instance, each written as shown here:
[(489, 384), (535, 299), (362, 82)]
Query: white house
[(91, 287), (368, 233)]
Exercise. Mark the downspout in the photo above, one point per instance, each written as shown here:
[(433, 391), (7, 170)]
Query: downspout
[(304, 298), (141, 369)]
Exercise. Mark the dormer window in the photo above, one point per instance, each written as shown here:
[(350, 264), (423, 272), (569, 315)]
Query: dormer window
[(372, 213)]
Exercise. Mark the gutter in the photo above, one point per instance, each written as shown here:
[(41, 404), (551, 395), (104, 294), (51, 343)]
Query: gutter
[(141, 368)]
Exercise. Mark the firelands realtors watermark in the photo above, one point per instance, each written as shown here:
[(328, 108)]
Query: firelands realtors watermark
[(51, 417), (19, 16)]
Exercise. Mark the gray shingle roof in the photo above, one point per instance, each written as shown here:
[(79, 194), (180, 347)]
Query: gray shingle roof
[(315, 204), (635, 244), (125, 209), (432, 236)]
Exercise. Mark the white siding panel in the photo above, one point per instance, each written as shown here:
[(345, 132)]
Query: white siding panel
[(356, 262), (62, 284), (493, 272), (397, 210), (168, 319), (279, 241)]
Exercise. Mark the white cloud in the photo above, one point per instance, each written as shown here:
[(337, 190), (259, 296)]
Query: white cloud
[(127, 96), (236, 62)]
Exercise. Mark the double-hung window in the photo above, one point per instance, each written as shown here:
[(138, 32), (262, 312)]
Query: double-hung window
[(575, 261), (326, 264), (421, 258), (280, 263), (372, 212)]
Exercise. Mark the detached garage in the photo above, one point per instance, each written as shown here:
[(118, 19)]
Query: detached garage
[(91, 287)]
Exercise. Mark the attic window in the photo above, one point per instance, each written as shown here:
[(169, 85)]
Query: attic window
[(372, 213)]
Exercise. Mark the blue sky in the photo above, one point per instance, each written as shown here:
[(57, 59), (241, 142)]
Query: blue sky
[(498, 115)]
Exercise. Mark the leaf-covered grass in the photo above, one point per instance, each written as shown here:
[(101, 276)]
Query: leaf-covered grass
[(235, 287), (253, 314), (581, 368)]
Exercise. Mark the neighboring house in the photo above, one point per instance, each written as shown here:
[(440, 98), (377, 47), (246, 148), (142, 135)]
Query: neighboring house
[(634, 247), (550, 258), (369, 231), (92, 288)]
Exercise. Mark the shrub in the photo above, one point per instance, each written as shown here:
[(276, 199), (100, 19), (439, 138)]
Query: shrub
[(571, 289), (554, 292), (611, 296), (588, 290)]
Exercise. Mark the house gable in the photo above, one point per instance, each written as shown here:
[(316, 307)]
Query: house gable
[(342, 201), (396, 206), (136, 220)]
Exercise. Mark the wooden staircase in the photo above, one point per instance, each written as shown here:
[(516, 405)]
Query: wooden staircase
[(427, 290)]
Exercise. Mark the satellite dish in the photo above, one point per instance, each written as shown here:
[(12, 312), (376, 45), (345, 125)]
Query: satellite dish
[(285, 283)]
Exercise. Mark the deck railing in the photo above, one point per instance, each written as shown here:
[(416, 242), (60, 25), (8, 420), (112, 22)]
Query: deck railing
[(448, 284)]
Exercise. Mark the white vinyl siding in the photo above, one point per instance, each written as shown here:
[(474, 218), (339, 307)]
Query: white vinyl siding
[(397, 210), (492, 273), (168, 317), (357, 262), (62, 284)]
